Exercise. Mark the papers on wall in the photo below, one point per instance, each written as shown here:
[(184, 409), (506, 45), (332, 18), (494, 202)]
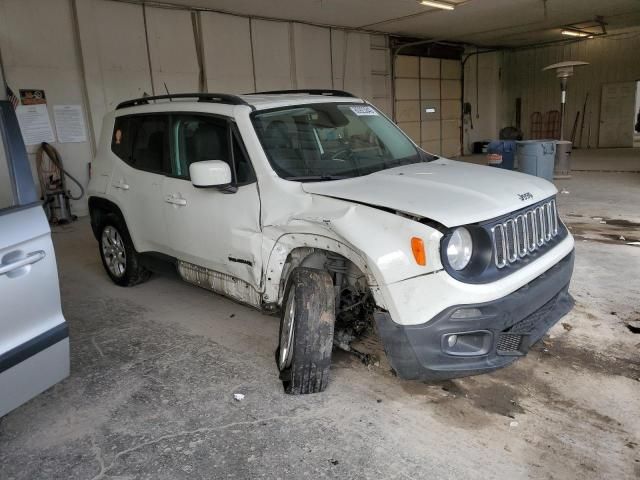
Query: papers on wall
[(35, 124), (70, 124)]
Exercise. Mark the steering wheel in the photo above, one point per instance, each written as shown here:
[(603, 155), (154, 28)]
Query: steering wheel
[(336, 156)]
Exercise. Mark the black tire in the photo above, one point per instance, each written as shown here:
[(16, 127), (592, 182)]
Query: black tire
[(312, 294), (133, 272)]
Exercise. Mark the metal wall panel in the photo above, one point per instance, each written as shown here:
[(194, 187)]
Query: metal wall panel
[(172, 48), (612, 59), (228, 55), (312, 47), (272, 55), (381, 73), (123, 50), (114, 55), (351, 61)]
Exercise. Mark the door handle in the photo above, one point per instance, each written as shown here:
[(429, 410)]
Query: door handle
[(121, 185), (175, 200), (30, 259)]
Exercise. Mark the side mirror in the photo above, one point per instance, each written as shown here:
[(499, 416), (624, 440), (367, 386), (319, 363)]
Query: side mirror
[(210, 173)]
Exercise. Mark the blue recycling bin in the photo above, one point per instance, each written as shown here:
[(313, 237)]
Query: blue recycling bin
[(536, 157), (505, 148)]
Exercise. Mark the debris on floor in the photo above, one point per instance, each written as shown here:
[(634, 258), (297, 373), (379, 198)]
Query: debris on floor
[(634, 326), (567, 326), (513, 424), (238, 397)]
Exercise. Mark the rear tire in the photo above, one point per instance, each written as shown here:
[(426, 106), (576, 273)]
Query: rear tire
[(303, 356), (119, 258)]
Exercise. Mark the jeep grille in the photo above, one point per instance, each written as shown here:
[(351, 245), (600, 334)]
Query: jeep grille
[(523, 234)]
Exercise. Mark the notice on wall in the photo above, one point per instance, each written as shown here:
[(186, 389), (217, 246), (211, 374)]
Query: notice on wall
[(35, 124), (70, 124)]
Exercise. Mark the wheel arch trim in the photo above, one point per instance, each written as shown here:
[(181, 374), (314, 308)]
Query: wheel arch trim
[(283, 255)]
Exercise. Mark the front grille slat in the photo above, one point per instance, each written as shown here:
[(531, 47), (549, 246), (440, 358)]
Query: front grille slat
[(521, 235)]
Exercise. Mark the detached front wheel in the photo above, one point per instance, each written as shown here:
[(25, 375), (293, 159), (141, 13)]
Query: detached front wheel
[(306, 332)]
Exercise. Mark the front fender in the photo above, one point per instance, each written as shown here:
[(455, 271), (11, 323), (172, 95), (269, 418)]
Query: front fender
[(286, 243)]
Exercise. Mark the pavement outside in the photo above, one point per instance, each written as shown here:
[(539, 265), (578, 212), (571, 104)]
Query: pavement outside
[(154, 369)]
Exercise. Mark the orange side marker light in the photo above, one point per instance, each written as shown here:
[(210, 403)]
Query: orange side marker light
[(417, 247)]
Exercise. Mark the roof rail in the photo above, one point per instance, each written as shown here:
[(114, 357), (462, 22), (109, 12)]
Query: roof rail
[(202, 97), (313, 91)]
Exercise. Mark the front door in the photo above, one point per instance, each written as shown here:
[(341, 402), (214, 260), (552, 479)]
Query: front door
[(207, 226), (34, 338)]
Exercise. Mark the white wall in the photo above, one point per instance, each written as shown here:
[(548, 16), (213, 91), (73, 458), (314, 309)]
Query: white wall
[(172, 49), (351, 62), (114, 54), (228, 53), (125, 50), (39, 51)]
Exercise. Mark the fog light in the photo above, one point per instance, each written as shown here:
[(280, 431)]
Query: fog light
[(467, 344)]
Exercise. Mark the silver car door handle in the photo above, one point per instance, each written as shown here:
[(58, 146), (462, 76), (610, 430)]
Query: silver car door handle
[(121, 185), (175, 200), (30, 259)]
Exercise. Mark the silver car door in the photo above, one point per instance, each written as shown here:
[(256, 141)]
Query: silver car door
[(34, 338)]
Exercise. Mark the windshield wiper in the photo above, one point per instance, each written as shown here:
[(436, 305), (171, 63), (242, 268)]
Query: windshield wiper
[(317, 178)]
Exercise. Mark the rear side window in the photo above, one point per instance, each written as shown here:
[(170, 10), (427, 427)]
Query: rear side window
[(142, 141)]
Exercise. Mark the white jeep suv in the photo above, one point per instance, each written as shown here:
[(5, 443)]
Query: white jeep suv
[(315, 204)]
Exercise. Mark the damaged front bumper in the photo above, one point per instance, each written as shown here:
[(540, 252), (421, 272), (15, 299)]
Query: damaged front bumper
[(472, 339)]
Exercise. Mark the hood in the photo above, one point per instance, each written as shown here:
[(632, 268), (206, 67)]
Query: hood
[(450, 192)]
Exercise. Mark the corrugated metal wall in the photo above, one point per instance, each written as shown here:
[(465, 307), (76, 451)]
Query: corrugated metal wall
[(124, 50), (612, 59)]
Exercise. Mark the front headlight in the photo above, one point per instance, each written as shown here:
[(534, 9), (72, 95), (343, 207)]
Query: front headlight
[(459, 248)]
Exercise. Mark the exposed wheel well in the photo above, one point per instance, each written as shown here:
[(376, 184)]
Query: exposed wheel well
[(353, 298)]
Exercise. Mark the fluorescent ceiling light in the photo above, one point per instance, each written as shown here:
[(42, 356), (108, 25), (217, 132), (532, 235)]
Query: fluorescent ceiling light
[(437, 4), (574, 33)]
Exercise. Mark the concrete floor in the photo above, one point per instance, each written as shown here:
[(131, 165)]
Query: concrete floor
[(154, 369)]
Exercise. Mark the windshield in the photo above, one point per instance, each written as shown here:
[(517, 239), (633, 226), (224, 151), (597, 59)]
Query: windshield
[(332, 141)]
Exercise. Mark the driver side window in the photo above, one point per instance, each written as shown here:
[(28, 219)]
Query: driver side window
[(199, 138)]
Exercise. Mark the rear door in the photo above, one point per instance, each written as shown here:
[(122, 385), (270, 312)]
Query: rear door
[(142, 143), (34, 339)]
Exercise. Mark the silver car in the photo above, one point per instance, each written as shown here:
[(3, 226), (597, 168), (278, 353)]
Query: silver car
[(34, 338)]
